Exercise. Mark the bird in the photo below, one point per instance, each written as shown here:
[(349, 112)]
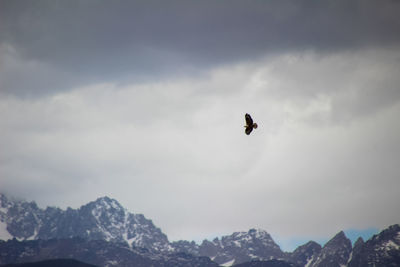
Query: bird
[(249, 124)]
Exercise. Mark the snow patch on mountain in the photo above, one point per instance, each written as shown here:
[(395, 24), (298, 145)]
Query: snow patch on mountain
[(4, 234), (389, 245), (3, 210), (310, 260), (228, 263)]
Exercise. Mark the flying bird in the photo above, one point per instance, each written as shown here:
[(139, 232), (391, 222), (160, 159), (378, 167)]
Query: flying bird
[(249, 124)]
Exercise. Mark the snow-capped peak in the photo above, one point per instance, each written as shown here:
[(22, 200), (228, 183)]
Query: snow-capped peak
[(108, 203), (103, 218)]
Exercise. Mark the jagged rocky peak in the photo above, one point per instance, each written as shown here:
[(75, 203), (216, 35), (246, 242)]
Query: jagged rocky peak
[(381, 250), (359, 243), (108, 203), (103, 219), (336, 252), (392, 233), (337, 239), (358, 248), (19, 219), (259, 234), (253, 235), (117, 224), (255, 244), (106, 211), (305, 253)]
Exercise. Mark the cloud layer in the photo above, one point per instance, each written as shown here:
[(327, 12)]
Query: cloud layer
[(59, 45), (145, 102)]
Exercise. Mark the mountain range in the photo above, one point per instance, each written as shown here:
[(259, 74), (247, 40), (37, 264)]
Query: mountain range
[(104, 233)]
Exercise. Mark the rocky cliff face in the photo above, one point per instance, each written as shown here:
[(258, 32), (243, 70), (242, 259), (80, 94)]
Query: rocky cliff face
[(241, 247), (305, 254), (102, 219), (382, 249), (236, 248), (335, 253)]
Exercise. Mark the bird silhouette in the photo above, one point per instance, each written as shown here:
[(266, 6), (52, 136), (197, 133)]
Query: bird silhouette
[(250, 125)]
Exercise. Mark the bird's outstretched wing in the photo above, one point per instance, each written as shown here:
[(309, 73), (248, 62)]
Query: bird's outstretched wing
[(249, 121), (248, 129)]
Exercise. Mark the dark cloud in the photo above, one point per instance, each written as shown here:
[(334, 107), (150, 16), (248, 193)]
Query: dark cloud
[(76, 42)]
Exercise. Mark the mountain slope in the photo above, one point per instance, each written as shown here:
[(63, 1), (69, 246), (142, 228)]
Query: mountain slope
[(51, 263), (97, 252), (102, 219), (236, 248), (335, 253), (305, 254), (242, 247), (382, 250)]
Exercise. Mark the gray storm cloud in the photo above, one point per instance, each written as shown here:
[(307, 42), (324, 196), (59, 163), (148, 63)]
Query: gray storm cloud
[(62, 44)]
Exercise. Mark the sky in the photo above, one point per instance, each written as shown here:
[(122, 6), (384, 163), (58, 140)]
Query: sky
[(144, 102)]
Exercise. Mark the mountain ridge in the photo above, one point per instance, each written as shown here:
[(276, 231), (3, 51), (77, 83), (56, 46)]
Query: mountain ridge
[(105, 219)]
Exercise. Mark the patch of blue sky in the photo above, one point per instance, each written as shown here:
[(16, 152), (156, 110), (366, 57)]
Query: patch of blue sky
[(354, 234), (290, 244)]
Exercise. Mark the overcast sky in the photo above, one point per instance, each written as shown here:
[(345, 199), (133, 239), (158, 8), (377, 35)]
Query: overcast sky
[(144, 101)]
